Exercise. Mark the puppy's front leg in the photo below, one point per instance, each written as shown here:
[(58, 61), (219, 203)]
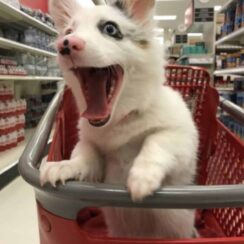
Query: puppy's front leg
[(85, 164), (161, 154)]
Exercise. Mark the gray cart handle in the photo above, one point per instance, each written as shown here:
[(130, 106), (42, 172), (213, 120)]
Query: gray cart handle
[(107, 195)]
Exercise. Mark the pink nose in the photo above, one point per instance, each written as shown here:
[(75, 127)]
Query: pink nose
[(70, 44)]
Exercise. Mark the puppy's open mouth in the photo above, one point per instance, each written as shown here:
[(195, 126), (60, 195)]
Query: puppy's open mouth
[(100, 87)]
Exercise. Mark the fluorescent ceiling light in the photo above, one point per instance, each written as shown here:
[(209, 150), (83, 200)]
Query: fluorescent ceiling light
[(161, 40), (165, 17), (217, 8), (195, 34), (159, 29)]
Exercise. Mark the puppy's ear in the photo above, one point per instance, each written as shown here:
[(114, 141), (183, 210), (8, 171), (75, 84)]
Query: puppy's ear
[(140, 10), (61, 12)]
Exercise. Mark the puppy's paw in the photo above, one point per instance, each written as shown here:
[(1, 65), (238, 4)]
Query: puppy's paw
[(53, 172), (144, 181)]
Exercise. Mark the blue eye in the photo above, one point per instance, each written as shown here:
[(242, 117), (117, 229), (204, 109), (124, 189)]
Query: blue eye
[(110, 29)]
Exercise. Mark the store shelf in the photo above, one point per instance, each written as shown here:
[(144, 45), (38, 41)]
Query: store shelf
[(8, 44), (27, 78), (234, 71), (225, 89), (198, 59), (234, 36), (229, 47), (9, 158), (13, 15)]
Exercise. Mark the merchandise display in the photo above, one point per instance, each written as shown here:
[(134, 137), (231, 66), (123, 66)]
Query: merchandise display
[(37, 104), (12, 119), (31, 37), (10, 66), (39, 15), (230, 60), (35, 30), (14, 3), (30, 62), (234, 18), (232, 90), (39, 66), (198, 48), (233, 125)]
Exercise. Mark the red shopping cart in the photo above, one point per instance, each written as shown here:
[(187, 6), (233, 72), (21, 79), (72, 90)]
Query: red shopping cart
[(70, 214)]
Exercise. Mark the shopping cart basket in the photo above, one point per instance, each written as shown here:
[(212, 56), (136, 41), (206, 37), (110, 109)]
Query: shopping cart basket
[(70, 214)]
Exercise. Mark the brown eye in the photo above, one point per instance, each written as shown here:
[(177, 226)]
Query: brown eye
[(68, 31)]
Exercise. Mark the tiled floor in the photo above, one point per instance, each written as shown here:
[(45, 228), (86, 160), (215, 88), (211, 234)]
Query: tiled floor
[(18, 219)]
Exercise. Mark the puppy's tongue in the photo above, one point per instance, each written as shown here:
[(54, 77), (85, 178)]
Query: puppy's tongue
[(94, 86)]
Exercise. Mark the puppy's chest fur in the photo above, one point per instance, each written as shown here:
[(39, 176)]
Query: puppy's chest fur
[(116, 136), (118, 162), (120, 144)]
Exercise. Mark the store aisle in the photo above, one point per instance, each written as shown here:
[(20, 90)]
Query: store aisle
[(18, 219)]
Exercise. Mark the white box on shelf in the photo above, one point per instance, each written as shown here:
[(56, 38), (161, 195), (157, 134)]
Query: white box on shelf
[(14, 3)]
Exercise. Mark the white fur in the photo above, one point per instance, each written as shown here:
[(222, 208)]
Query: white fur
[(154, 145)]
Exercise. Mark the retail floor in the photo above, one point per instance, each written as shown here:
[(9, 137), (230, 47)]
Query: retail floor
[(18, 220)]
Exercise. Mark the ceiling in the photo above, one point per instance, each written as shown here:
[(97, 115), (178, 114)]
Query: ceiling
[(178, 8), (172, 7)]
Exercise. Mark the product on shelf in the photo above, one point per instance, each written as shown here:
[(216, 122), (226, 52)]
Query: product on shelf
[(238, 14), (53, 69), (240, 99), (233, 125), (16, 70), (35, 110), (9, 66), (49, 86), (198, 48), (28, 64), (12, 119), (230, 60), (14, 3), (234, 18), (31, 36), (39, 15), (8, 61), (6, 93), (37, 38), (39, 66), (37, 104), (236, 95), (3, 70), (239, 84), (242, 21), (11, 34)]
